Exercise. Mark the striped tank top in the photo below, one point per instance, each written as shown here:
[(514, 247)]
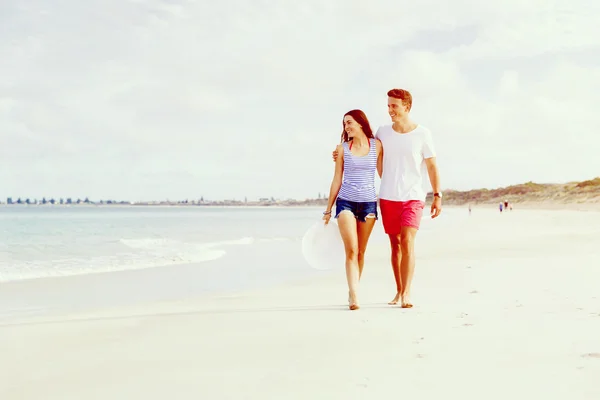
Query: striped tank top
[(358, 183)]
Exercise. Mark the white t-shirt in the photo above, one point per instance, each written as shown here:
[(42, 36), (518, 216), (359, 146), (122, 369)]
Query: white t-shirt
[(404, 166)]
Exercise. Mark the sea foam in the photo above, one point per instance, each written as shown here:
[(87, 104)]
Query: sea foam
[(132, 253)]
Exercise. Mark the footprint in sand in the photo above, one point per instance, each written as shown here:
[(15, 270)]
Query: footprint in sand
[(591, 355), (365, 384), (473, 292), (463, 315), (418, 341)]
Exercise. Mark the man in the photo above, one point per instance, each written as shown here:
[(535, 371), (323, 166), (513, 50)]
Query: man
[(407, 150)]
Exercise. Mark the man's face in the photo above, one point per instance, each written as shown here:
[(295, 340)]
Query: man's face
[(396, 109)]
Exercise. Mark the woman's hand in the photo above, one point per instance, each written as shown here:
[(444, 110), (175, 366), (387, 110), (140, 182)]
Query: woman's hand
[(326, 217)]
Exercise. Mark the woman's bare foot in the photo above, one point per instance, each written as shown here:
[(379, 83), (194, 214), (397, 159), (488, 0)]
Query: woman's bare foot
[(353, 301), (396, 299)]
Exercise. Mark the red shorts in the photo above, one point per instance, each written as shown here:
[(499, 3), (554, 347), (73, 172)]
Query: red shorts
[(396, 214)]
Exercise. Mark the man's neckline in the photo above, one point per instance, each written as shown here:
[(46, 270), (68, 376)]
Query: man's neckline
[(404, 133)]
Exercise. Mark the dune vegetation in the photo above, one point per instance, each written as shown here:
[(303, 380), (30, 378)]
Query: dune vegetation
[(572, 192)]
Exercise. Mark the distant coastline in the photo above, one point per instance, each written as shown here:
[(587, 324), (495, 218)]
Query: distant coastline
[(585, 194)]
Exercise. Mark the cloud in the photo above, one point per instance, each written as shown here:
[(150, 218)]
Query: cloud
[(155, 99)]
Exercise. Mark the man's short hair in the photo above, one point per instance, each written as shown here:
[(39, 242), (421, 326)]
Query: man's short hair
[(403, 95)]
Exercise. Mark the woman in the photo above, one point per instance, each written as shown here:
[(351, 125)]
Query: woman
[(353, 191)]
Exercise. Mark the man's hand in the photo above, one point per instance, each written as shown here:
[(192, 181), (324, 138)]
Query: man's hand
[(436, 207), (334, 155), (434, 178)]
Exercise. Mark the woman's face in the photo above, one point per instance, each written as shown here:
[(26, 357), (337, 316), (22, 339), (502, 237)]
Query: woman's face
[(352, 127)]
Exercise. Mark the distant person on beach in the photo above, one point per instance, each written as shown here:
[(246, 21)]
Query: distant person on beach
[(501, 206), (407, 149), (353, 191)]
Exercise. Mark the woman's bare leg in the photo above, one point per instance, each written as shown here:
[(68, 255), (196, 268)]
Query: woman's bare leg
[(363, 231), (348, 231)]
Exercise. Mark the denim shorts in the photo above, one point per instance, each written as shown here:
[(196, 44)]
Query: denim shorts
[(359, 209)]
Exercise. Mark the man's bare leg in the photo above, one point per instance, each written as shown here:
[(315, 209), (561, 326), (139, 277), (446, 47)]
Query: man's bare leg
[(396, 248), (407, 265)]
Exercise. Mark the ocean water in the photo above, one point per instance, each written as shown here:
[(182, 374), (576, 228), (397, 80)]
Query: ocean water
[(37, 242), (61, 259), (41, 242)]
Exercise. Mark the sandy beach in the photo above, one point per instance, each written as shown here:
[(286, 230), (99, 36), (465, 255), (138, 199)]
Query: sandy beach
[(506, 306)]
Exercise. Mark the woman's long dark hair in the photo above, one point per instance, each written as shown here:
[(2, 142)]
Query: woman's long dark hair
[(360, 118)]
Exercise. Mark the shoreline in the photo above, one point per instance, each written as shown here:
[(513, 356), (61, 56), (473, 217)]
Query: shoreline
[(530, 205)]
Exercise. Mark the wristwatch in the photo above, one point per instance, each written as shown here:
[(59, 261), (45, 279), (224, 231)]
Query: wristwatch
[(438, 194)]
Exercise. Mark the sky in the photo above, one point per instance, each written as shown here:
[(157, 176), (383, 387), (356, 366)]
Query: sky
[(178, 99)]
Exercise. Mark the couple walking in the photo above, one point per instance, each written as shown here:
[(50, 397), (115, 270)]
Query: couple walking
[(397, 152)]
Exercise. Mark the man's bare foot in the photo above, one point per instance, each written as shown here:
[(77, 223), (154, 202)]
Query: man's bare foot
[(406, 302), (396, 299)]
